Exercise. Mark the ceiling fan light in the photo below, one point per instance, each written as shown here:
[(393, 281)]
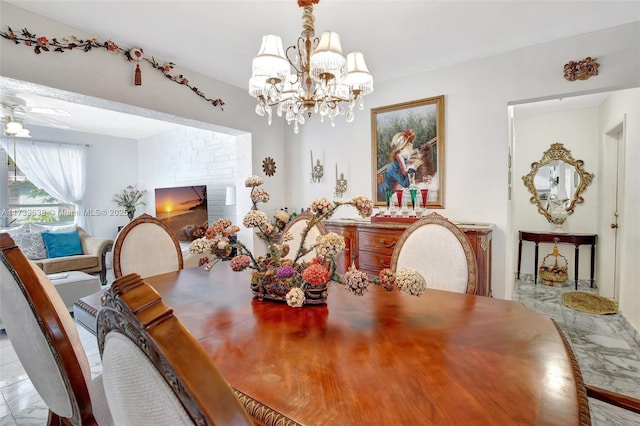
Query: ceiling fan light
[(23, 133), (13, 127)]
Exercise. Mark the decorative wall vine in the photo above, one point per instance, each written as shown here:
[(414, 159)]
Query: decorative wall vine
[(43, 44)]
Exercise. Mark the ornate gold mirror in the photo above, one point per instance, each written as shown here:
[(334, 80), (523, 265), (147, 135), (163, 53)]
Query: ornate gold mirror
[(556, 183)]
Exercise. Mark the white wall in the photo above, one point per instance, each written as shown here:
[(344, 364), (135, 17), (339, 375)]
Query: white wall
[(623, 107), (191, 156), (476, 128), (577, 130)]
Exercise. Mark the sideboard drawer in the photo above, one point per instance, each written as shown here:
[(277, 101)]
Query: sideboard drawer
[(372, 262), (382, 241), (370, 247)]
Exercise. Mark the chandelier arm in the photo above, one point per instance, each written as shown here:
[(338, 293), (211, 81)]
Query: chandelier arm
[(294, 49)]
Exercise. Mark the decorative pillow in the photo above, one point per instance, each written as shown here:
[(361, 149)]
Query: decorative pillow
[(61, 244), (31, 244), (15, 229), (34, 227)]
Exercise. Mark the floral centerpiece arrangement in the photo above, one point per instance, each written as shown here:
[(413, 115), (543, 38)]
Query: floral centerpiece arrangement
[(278, 276), (130, 198)]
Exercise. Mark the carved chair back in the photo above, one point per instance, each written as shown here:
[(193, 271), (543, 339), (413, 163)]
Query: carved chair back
[(146, 246), (155, 371), (296, 228), (441, 252), (46, 341)]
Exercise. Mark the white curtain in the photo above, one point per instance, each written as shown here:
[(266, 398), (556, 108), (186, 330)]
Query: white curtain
[(59, 169)]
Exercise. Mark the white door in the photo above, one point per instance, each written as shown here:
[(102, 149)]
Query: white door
[(615, 145)]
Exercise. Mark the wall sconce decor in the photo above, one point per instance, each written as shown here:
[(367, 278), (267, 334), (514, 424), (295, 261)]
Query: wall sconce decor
[(341, 184), (581, 70), (317, 171)]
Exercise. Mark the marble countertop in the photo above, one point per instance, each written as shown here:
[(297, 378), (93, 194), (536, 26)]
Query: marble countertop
[(366, 223)]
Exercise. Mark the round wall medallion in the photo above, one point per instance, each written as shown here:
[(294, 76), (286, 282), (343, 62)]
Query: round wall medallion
[(269, 166)]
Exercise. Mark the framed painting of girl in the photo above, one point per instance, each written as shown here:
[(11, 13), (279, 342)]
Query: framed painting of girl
[(407, 150)]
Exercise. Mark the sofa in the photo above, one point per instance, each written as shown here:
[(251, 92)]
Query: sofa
[(39, 242)]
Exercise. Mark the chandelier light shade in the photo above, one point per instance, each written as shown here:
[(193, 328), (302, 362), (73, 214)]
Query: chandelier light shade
[(312, 76)]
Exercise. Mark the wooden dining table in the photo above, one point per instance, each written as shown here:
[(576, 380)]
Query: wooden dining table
[(385, 358)]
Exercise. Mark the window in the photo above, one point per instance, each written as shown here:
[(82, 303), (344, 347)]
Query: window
[(30, 204)]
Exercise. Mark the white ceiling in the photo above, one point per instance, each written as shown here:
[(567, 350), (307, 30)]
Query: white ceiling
[(218, 38)]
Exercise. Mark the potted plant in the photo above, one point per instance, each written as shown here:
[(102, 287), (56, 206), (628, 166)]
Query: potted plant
[(129, 198)]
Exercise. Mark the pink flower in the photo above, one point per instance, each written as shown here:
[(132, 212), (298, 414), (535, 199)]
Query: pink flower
[(356, 282), (240, 263), (42, 41), (387, 279), (260, 195), (364, 206)]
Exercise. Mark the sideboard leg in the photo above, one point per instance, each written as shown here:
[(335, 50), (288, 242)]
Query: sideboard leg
[(577, 259), (535, 266), (519, 256), (593, 261)]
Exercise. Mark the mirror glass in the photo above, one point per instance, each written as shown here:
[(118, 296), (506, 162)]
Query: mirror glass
[(556, 183)]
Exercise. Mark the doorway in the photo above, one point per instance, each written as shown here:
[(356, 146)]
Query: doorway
[(613, 180)]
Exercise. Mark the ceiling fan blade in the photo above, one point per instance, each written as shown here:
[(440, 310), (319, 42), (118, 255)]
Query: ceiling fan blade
[(42, 120)]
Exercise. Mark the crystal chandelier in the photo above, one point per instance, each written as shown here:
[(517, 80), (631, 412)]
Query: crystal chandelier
[(311, 77)]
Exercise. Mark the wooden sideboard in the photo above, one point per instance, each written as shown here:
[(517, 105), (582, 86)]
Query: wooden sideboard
[(370, 246)]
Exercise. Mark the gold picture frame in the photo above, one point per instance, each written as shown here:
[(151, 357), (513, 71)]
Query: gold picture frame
[(407, 148)]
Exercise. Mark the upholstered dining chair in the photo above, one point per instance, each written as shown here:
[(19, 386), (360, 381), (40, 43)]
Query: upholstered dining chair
[(155, 371), (46, 341), (296, 227), (440, 251), (147, 247)]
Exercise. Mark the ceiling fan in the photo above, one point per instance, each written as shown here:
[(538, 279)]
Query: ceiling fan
[(16, 112)]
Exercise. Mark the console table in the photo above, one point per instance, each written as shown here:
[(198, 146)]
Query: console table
[(546, 237), (369, 245)]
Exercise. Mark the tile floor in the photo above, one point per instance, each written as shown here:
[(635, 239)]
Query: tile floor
[(606, 346), (607, 349)]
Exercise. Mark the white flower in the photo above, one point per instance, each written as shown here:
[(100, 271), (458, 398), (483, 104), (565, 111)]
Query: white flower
[(255, 219), (410, 281), (330, 245), (321, 206), (200, 246), (281, 215), (295, 297), (253, 181)]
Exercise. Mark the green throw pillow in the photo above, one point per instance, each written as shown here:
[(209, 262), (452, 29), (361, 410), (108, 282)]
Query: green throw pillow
[(61, 244)]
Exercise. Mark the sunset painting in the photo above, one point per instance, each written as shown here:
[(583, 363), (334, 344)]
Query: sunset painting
[(184, 210)]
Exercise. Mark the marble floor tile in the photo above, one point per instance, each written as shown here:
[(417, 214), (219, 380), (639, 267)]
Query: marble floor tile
[(606, 350)]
